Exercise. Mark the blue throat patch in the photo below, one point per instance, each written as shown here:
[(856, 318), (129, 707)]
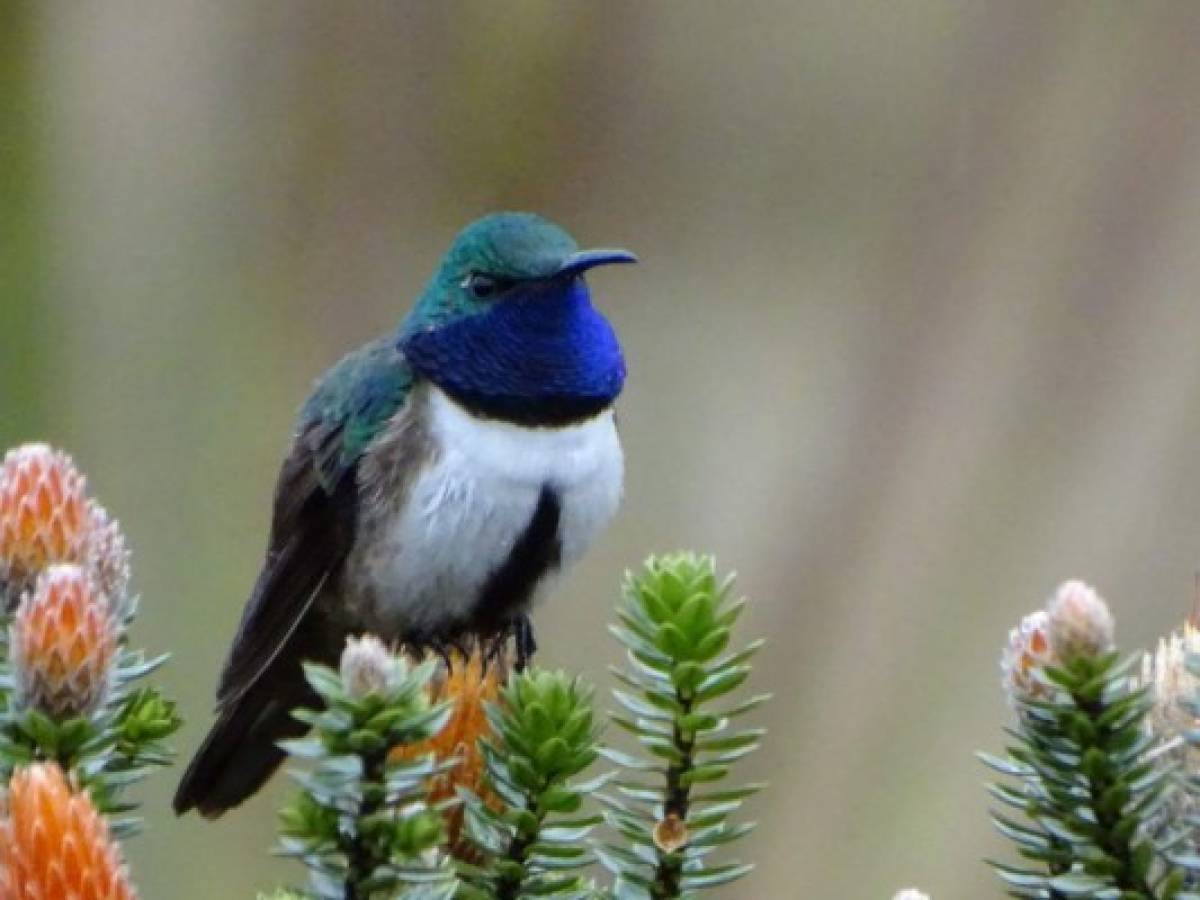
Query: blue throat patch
[(544, 357)]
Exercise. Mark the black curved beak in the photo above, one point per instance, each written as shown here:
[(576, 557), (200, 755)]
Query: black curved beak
[(578, 263)]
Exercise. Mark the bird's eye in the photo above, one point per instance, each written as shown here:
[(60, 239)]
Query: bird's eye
[(484, 286)]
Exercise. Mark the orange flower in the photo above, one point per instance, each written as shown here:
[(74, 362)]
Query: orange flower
[(54, 845), (468, 683), (63, 642), (44, 514)]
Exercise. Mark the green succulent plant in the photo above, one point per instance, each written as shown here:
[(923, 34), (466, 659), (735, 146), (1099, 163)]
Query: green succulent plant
[(1085, 785), (361, 822), (543, 735), (669, 806)]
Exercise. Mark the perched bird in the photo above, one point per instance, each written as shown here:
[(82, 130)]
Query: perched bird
[(437, 477)]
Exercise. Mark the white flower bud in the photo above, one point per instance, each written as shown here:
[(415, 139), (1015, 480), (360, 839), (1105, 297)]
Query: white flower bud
[(367, 667), (1080, 622)]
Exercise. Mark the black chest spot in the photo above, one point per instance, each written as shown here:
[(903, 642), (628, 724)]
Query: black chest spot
[(538, 550)]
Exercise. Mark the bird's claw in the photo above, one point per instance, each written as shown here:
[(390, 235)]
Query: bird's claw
[(525, 643), (491, 647)]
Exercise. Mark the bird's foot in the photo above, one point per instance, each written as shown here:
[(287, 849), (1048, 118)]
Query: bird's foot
[(451, 650), (493, 648), (523, 638)]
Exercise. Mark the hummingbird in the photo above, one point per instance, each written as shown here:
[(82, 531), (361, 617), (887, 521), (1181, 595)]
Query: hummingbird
[(437, 480)]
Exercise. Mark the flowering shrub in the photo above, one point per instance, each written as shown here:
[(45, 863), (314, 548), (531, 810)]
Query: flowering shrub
[(457, 778), (428, 778), (1100, 785), (75, 729)]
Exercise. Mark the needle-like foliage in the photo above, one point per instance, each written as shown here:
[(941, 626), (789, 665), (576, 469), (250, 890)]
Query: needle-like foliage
[(1185, 849), (670, 810), (535, 843), (1084, 781), (361, 822)]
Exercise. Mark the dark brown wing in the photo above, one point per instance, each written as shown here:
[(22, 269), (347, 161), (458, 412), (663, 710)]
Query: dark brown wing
[(263, 680), (285, 622), (311, 534)]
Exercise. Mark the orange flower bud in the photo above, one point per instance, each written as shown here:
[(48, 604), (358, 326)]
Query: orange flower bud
[(63, 642), (54, 845), (44, 515)]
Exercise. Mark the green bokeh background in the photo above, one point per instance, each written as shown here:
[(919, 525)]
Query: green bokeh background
[(915, 337)]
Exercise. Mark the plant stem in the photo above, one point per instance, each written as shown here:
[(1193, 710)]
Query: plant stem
[(1119, 848), (1057, 870), (669, 871), (361, 860), (508, 886)]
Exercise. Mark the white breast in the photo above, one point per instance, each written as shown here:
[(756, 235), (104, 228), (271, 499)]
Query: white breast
[(468, 507)]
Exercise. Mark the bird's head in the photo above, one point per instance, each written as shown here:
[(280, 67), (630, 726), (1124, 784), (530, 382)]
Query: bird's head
[(501, 258), (506, 324)]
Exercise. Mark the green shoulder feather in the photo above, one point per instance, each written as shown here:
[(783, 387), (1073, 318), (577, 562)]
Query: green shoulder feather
[(352, 403)]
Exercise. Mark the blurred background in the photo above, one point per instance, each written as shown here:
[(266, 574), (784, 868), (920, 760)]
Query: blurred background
[(915, 337)]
